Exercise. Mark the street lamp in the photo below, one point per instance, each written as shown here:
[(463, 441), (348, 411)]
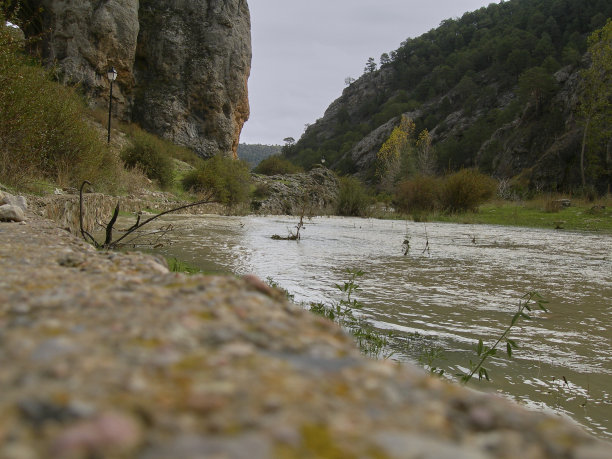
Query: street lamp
[(112, 76)]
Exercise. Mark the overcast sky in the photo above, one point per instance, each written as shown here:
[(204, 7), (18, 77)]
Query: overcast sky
[(304, 49)]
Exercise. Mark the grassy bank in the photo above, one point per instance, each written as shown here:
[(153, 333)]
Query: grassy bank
[(581, 215)]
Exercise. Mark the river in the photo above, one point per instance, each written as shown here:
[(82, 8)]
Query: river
[(456, 284)]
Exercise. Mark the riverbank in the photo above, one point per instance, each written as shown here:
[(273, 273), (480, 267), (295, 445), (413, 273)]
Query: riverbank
[(547, 213), (110, 355)]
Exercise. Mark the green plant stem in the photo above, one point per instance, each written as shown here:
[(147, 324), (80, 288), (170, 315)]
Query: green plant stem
[(486, 355)]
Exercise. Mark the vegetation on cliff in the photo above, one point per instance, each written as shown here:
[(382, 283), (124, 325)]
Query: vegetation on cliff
[(43, 135), (497, 89)]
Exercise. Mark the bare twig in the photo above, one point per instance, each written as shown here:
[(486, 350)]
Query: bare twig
[(426, 249), (109, 243), (137, 225), (109, 227), (84, 233)]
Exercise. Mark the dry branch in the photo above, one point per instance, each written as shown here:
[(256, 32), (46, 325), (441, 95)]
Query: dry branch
[(109, 244)]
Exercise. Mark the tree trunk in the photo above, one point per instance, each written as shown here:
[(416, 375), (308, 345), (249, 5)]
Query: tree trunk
[(584, 137)]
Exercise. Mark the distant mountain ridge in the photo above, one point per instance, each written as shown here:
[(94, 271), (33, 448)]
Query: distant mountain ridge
[(496, 88), (255, 153)]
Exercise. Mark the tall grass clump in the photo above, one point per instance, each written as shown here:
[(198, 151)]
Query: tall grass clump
[(227, 179), (466, 190), (277, 165), (353, 198), (149, 153), (43, 134), (419, 194)]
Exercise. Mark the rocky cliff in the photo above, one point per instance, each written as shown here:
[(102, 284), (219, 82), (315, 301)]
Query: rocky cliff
[(182, 66)]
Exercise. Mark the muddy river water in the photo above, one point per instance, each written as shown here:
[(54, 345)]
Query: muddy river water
[(456, 284)]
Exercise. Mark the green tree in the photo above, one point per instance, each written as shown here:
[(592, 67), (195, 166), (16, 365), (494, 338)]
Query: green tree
[(353, 199), (276, 165), (226, 178), (594, 107), (370, 65), (518, 60), (289, 146), (536, 86)]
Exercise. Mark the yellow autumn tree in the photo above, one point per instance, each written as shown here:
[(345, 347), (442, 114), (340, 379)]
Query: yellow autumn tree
[(389, 157), (426, 155)]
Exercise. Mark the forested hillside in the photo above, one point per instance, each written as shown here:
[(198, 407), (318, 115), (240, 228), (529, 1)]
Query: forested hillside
[(255, 153), (501, 88)]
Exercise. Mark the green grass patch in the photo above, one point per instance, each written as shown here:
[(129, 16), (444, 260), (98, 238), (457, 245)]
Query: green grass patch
[(579, 216), (178, 266)]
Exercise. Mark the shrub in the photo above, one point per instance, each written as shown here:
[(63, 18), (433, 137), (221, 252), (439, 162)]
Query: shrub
[(353, 199), (149, 153), (276, 165), (421, 193), (226, 178), (43, 133), (262, 191), (466, 190)]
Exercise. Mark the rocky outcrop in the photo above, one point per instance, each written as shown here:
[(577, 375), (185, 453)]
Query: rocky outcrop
[(182, 66), (314, 192)]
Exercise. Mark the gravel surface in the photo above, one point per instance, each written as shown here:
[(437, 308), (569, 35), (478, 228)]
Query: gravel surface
[(108, 355)]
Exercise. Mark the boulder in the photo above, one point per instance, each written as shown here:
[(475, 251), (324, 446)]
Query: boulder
[(9, 213), (17, 201)]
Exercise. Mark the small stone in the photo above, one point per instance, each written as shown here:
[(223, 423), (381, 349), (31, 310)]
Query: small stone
[(53, 349), (38, 412), (114, 432), (10, 213), (18, 451), (482, 418)]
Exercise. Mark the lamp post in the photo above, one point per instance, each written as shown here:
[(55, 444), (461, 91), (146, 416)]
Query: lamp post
[(112, 76)]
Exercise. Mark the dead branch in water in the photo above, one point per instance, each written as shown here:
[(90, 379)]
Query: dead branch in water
[(292, 236), (109, 244)]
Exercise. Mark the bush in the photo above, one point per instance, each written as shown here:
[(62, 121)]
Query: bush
[(149, 153), (466, 190), (43, 132), (421, 193), (276, 165), (353, 199), (226, 178)]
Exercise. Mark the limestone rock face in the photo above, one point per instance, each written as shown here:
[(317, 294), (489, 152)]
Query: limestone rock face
[(85, 38), (192, 64), (182, 66)]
